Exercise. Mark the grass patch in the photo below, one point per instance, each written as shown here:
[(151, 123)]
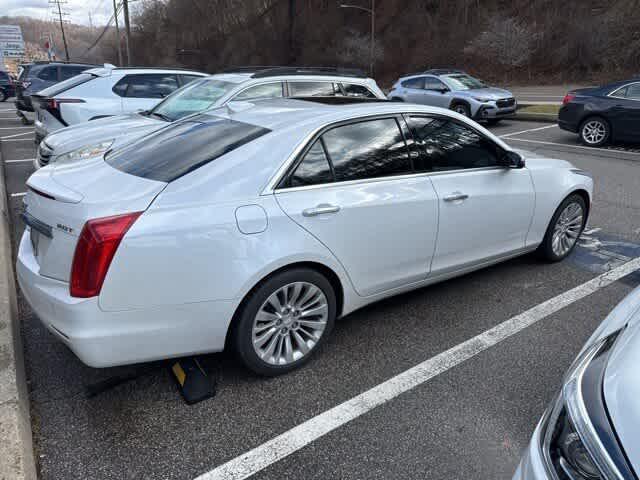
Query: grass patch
[(545, 109)]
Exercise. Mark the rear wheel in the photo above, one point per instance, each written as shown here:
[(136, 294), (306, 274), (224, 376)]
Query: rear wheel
[(3, 95), (564, 229), (462, 109), (595, 132), (284, 321)]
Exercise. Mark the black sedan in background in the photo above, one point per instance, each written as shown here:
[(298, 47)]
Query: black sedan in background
[(603, 114)]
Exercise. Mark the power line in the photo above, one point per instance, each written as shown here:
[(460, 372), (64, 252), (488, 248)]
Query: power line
[(60, 14)]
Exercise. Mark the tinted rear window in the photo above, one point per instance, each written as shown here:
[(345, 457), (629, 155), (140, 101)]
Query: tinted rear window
[(183, 147)]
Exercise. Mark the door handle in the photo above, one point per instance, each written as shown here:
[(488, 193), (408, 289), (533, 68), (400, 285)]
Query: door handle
[(320, 209), (455, 196)]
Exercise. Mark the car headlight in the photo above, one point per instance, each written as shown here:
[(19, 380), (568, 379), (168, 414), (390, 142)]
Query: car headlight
[(482, 99), (88, 151), (578, 442)]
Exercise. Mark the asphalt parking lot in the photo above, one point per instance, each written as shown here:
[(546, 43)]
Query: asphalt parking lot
[(468, 413)]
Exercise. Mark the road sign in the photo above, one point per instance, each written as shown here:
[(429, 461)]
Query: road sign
[(11, 41)]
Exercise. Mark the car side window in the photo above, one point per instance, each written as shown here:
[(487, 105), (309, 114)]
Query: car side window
[(369, 149), (49, 74), (352, 90), (432, 83), (417, 82), (449, 145), (311, 89), (186, 78), (149, 85), (66, 72), (266, 90), (633, 91), (314, 169)]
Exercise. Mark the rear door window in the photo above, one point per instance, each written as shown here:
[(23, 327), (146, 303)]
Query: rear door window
[(312, 89), (49, 74), (369, 149), (431, 83), (314, 169), (183, 147), (414, 83), (353, 90), (146, 85), (68, 71)]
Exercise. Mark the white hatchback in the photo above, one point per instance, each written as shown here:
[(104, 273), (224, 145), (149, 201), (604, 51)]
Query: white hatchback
[(256, 226), (103, 92)]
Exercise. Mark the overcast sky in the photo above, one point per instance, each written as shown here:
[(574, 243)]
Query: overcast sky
[(79, 10)]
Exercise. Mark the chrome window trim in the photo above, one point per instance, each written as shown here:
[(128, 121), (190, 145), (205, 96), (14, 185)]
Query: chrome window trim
[(270, 188), (612, 94)]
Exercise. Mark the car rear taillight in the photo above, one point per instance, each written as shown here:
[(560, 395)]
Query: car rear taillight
[(96, 247), (568, 98), (52, 105)]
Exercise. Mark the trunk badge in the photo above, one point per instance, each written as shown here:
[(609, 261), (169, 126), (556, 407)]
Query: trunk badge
[(64, 228)]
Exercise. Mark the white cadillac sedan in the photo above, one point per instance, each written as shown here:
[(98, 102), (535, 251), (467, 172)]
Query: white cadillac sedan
[(591, 430), (256, 226)]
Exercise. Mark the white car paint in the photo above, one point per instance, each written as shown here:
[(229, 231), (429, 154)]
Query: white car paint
[(620, 387), (205, 239)]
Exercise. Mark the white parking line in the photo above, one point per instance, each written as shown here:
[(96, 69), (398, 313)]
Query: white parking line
[(292, 440), (17, 139), (575, 146), (16, 135), (19, 194), (527, 131), (15, 128), (20, 160)]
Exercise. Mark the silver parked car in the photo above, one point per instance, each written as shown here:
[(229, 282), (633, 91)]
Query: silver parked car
[(457, 91), (591, 429)]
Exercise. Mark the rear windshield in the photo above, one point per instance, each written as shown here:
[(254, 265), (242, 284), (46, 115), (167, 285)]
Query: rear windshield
[(66, 84), (183, 147)]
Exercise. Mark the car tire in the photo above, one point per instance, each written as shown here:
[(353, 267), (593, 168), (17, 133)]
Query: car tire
[(462, 109), (493, 121), (3, 95), (267, 316), (564, 229), (594, 132)]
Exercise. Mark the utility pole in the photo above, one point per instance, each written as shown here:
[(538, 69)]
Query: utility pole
[(115, 15), (125, 10), (292, 18), (64, 38)]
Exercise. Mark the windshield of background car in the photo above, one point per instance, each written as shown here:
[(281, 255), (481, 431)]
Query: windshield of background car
[(194, 97), (462, 82), (183, 147)]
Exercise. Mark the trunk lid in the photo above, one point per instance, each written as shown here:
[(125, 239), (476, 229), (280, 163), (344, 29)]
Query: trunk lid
[(61, 198)]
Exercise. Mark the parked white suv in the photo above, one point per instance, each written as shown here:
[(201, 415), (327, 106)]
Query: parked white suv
[(91, 139), (103, 92)]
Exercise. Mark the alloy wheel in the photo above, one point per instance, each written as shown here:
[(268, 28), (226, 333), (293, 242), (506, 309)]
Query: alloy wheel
[(290, 323), (567, 229), (594, 132)]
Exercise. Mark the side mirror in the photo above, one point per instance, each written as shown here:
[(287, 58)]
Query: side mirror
[(443, 90), (512, 160)]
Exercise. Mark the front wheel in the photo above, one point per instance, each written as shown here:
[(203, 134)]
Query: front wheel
[(284, 321), (462, 109), (564, 229)]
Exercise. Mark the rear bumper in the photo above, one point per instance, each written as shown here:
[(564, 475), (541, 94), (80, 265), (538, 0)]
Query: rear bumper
[(108, 338)]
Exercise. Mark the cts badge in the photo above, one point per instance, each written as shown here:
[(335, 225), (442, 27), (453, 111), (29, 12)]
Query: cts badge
[(64, 228)]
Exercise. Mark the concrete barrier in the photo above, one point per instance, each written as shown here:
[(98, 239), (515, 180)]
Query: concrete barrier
[(16, 448)]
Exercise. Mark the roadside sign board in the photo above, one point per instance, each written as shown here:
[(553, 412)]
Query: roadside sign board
[(11, 41)]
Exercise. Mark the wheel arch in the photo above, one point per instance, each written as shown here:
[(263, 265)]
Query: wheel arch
[(459, 101), (321, 268), (585, 196)]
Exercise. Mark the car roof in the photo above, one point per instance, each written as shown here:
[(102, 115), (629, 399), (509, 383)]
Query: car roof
[(108, 70), (307, 114), (326, 77)]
